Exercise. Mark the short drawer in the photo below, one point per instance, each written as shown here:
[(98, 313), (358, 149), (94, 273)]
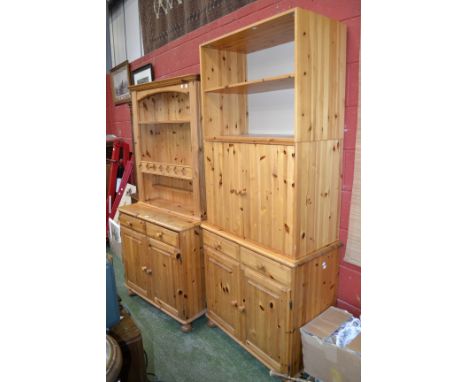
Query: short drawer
[(132, 223), (220, 244), (165, 235), (266, 267)]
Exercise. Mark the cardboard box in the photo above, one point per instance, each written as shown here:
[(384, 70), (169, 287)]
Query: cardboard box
[(325, 361)]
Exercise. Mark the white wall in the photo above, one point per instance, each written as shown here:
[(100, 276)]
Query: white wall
[(271, 113)]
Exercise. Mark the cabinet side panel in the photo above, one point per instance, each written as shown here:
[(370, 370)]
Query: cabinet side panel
[(194, 300), (198, 177), (320, 68), (314, 290), (136, 146)]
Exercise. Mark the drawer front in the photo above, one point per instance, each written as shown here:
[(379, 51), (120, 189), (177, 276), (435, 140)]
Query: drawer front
[(266, 267), (165, 235), (220, 244), (132, 223)]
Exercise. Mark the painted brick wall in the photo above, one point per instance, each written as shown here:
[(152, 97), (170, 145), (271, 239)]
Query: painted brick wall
[(180, 57)]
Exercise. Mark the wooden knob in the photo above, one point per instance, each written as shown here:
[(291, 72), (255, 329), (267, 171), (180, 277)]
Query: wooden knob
[(130, 224), (234, 303), (144, 268), (241, 308), (159, 234), (149, 271), (218, 246)]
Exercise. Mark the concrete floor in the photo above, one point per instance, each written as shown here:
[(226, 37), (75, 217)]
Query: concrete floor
[(206, 354)]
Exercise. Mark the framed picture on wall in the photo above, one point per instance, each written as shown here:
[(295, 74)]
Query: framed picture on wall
[(120, 80), (142, 75)]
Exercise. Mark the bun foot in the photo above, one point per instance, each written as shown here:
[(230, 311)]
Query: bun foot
[(186, 328), (130, 292), (211, 324)]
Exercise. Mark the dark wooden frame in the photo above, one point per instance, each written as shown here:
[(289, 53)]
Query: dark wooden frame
[(117, 69), (141, 69)]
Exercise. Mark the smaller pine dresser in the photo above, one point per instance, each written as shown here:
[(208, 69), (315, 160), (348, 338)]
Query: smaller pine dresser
[(161, 237)]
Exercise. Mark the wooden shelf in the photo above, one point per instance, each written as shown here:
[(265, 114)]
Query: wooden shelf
[(165, 122), (262, 139), (166, 169), (278, 29), (172, 207), (285, 81)]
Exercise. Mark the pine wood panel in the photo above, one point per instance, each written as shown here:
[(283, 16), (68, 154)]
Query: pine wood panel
[(193, 296), (314, 289), (320, 76), (164, 281), (162, 234), (134, 257), (166, 143), (266, 316), (275, 30), (318, 194), (255, 186), (222, 290), (149, 214), (171, 105)]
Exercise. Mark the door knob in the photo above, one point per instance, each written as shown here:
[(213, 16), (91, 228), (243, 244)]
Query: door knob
[(149, 271), (234, 303), (143, 268), (241, 308)]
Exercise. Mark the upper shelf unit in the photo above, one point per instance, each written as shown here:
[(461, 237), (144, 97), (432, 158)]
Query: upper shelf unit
[(167, 138), (283, 76)]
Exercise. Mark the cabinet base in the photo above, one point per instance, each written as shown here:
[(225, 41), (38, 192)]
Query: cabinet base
[(187, 322), (211, 324), (130, 292), (186, 328)]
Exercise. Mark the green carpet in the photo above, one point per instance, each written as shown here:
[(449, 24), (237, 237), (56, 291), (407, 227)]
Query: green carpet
[(205, 354)]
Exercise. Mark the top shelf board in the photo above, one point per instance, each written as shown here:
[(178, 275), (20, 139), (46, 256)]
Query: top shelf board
[(282, 82), (277, 30)]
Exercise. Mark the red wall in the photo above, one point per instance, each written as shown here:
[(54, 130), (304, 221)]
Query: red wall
[(180, 57)]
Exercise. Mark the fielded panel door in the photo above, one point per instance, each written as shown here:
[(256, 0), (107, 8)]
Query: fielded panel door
[(134, 256)]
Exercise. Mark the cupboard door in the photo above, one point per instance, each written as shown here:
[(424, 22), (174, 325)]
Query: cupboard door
[(266, 318), (134, 256), (222, 290), (164, 270)]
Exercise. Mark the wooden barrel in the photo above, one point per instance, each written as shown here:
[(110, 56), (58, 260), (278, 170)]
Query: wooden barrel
[(113, 359)]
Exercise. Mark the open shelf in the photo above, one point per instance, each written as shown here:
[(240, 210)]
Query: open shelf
[(164, 122), (286, 140), (166, 169), (285, 81)]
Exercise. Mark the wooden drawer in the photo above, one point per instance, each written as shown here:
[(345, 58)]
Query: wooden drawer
[(165, 235), (132, 223), (266, 267), (220, 244)]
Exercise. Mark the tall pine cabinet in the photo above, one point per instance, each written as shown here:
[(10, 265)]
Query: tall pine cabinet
[(161, 236), (273, 110)]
